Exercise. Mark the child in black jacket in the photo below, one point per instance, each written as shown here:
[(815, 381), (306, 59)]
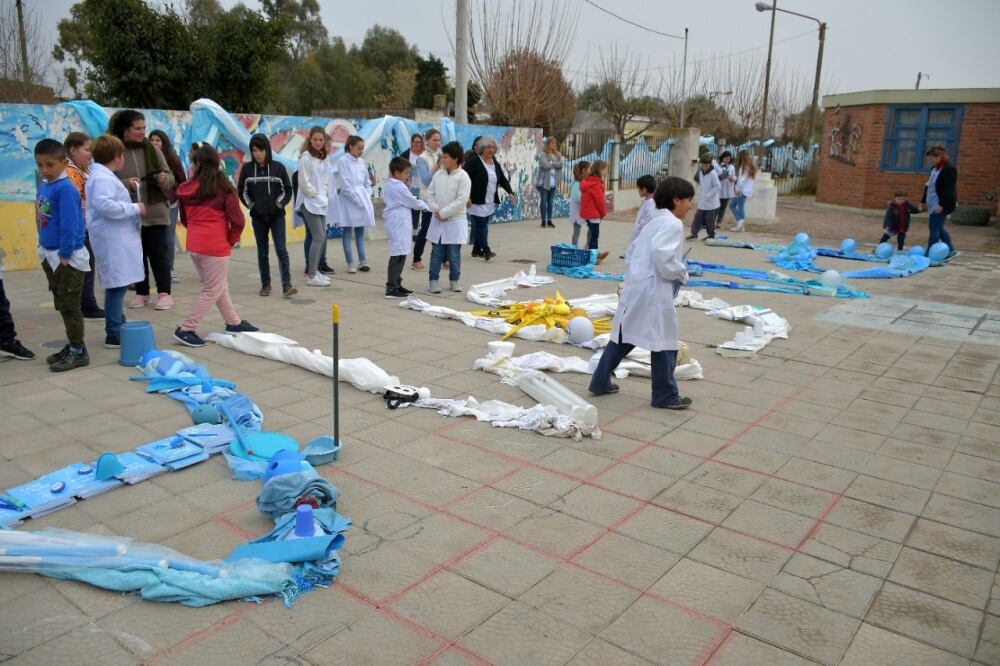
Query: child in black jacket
[(265, 189), (897, 219)]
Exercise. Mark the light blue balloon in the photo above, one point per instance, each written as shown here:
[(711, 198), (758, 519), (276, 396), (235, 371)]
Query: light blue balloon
[(883, 251), (917, 251), (802, 238), (939, 252), (848, 246)]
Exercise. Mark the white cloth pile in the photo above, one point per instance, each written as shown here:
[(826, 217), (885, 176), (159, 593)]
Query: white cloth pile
[(492, 294)]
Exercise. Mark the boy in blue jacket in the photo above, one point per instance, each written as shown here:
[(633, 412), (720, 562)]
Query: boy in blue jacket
[(60, 249)]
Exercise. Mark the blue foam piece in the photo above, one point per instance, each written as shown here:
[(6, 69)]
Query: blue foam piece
[(108, 466), (310, 549), (169, 449)]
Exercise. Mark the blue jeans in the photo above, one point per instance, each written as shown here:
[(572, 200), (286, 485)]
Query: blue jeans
[(938, 232), (738, 204), (548, 195), (308, 242), (359, 241), (480, 233), (453, 253), (114, 311), (275, 226), (662, 365)]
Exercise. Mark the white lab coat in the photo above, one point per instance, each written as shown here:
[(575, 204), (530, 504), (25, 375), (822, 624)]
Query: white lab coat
[(727, 180), (447, 196), (113, 226), (646, 316), (708, 192), (314, 185), (399, 201), (646, 212), (744, 184), (356, 209)]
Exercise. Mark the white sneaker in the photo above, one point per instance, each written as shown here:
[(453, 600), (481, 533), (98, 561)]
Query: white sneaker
[(738, 227), (456, 286), (317, 281), (434, 287), (351, 268)]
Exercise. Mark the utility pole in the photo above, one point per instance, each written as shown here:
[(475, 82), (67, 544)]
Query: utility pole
[(819, 66), (767, 75), (920, 75), (25, 74), (462, 62), (684, 78)]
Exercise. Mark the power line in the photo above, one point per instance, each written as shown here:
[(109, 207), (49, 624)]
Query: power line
[(632, 23)]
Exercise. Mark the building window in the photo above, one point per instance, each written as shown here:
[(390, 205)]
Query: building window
[(911, 130)]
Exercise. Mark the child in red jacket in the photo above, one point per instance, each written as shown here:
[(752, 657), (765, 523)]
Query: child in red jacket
[(592, 206), (210, 211), (897, 219)]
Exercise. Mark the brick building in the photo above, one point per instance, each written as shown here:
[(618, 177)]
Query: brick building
[(874, 143)]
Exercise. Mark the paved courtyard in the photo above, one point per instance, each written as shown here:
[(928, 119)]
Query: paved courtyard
[(835, 500)]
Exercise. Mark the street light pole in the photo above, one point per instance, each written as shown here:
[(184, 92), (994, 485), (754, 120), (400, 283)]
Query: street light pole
[(462, 62), (819, 68), (684, 77), (767, 71)]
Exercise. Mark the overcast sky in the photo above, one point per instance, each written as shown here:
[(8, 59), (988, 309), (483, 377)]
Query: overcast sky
[(871, 44)]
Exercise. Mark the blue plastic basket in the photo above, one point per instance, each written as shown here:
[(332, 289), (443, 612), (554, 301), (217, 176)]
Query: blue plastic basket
[(569, 257)]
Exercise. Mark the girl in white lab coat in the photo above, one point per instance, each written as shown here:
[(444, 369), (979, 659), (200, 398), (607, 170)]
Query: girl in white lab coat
[(745, 173), (449, 231), (312, 200), (356, 209), (113, 227), (646, 316), (398, 214)]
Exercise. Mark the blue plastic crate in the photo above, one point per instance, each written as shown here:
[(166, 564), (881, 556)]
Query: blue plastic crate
[(564, 256)]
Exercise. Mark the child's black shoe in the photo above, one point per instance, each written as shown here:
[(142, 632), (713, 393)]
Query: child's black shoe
[(15, 349), (71, 361)]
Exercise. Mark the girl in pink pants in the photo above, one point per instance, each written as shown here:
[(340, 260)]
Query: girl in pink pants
[(210, 211)]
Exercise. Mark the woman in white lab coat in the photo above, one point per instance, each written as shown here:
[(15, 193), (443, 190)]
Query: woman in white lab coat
[(113, 227), (449, 231), (646, 316), (356, 209)]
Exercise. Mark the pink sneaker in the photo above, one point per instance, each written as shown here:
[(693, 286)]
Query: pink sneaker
[(164, 302), (138, 301)]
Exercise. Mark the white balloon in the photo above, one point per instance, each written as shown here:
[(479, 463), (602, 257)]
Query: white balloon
[(831, 279), (581, 330)]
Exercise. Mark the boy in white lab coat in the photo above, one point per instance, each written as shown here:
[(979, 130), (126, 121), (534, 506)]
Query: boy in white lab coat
[(646, 316), (708, 198), (399, 201)]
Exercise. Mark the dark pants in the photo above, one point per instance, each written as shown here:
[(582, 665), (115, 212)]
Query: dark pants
[(66, 283), (704, 218), (275, 226), (547, 196), (593, 234), (308, 243), (452, 253), (172, 237), (88, 301), (420, 241), (480, 234), (155, 258), (723, 205), (900, 238), (114, 311), (938, 232), (661, 364), (7, 332), (394, 280)]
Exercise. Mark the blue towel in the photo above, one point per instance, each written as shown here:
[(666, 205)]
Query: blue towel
[(278, 496)]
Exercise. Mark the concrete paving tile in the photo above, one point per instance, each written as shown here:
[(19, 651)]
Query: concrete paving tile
[(942, 577), (792, 497), (209, 541), (652, 629), (988, 651), (579, 598), (665, 461), (574, 462), (979, 447), (519, 634), (768, 522), (698, 501), (891, 495), (708, 590), (397, 644), (505, 567), (964, 514), (715, 426), (927, 436), (742, 650), (974, 490), (955, 543), (836, 433), (725, 478), (151, 627), (36, 618), (599, 652), (595, 505), (758, 460), (634, 481), (30, 442), (537, 486), (773, 440), (915, 453), (438, 538), (740, 554), (109, 507), (853, 550), (975, 467), (477, 466), (555, 532), (870, 519), (159, 520), (799, 626), (665, 529), (904, 473), (242, 642), (635, 426), (493, 509), (17, 585), (89, 645), (872, 645), (826, 584), (941, 623), (634, 562), (384, 570), (449, 604)]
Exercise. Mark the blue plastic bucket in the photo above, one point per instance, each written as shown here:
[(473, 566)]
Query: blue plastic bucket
[(137, 339)]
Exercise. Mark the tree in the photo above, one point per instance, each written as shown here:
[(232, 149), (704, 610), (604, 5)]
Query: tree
[(301, 22), (203, 13), (331, 77), (627, 95), (11, 66), (386, 52), (431, 79), (518, 52)]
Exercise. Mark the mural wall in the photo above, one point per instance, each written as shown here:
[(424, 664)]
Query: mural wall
[(23, 125)]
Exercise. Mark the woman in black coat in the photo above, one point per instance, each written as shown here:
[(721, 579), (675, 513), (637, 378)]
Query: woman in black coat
[(488, 179)]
